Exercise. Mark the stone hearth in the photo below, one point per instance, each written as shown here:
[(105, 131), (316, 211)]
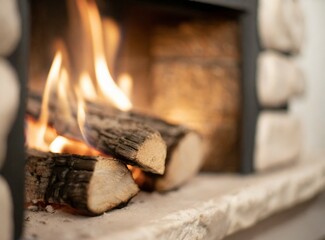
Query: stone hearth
[(209, 207)]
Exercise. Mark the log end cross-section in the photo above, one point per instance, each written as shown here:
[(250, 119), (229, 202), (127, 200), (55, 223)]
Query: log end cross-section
[(129, 141), (89, 184)]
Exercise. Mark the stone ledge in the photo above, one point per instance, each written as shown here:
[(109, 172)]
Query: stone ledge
[(209, 207)]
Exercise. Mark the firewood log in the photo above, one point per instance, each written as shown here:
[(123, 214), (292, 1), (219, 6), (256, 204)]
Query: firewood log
[(127, 139), (92, 185), (184, 160), (184, 148)]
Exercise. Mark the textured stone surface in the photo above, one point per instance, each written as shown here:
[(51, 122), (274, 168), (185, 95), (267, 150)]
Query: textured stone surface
[(281, 25), (213, 38), (10, 26), (209, 207), (279, 78), (205, 96), (278, 140), (195, 73), (6, 211), (9, 97), (304, 221)]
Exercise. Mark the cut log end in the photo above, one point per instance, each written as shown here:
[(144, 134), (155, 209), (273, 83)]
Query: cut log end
[(152, 154), (110, 186), (183, 162), (91, 185), (128, 140)]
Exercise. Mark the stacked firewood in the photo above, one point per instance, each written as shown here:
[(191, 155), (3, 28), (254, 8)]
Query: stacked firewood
[(166, 156), (279, 79)]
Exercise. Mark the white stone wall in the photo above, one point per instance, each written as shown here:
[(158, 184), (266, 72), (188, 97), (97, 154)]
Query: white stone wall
[(279, 79), (281, 25), (311, 108), (10, 31), (278, 140)]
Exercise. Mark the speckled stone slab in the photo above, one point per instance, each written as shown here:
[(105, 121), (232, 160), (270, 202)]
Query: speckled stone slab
[(211, 206)]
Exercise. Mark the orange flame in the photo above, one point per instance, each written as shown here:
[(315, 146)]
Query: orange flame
[(125, 83), (38, 139), (87, 87), (105, 81), (95, 82), (64, 145)]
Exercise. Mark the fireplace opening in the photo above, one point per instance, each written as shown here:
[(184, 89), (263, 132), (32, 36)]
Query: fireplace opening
[(151, 92), (189, 61), (155, 86), (179, 63)]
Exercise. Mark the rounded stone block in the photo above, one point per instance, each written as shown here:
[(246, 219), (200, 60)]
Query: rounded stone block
[(9, 99), (279, 78), (281, 25), (10, 26), (278, 140), (6, 211)]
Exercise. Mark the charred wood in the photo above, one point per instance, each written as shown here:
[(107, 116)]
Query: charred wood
[(90, 184)]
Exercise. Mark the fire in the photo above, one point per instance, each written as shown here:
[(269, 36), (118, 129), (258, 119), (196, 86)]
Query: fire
[(92, 85), (126, 84), (81, 114), (87, 87), (37, 140), (64, 145), (106, 83), (138, 175)]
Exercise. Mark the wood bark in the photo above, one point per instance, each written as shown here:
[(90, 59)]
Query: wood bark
[(184, 147), (92, 185), (129, 140)]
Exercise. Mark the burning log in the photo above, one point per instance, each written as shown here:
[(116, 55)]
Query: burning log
[(184, 149), (184, 153), (92, 185), (128, 140)]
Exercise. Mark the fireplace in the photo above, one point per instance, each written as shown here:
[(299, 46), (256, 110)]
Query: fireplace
[(192, 68), (162, 51)]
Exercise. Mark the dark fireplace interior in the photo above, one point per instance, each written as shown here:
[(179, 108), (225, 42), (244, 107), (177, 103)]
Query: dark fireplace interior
[(184, 59)]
